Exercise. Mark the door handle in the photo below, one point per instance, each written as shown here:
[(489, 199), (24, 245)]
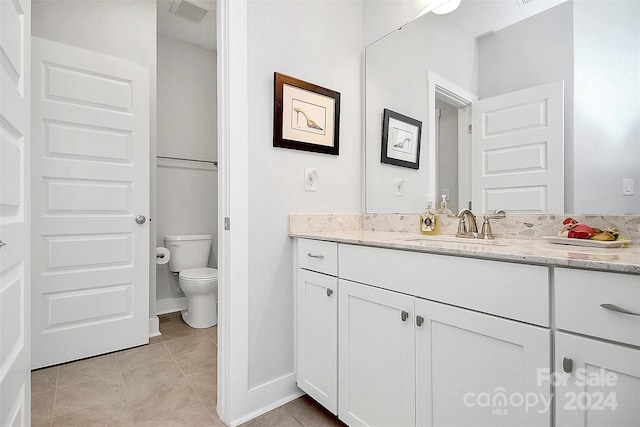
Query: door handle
[(404, 315), (567, 365), (141, 219), (2, 244), (419, 320), (617, 309)]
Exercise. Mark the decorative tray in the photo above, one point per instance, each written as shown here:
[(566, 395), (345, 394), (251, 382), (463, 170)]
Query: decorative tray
[(585, 242)]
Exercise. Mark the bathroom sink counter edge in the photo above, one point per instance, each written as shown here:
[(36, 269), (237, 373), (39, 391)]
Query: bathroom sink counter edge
[(528, 251)]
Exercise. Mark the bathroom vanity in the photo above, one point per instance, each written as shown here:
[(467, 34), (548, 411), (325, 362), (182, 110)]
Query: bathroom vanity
[(401, 329)]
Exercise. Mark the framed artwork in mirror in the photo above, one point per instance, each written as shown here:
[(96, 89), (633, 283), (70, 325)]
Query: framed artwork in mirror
[(306, 116), (400, 140)]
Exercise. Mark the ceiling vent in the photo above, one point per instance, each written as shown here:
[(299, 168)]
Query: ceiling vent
[(189, 9), (524, 3)]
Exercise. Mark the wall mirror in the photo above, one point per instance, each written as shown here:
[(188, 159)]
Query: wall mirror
[(569, 67)]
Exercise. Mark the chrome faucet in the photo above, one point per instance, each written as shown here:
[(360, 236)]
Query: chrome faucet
[(467, 226), (486, 232)]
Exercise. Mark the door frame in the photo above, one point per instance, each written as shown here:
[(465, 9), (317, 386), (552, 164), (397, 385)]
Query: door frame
[(441, 88)]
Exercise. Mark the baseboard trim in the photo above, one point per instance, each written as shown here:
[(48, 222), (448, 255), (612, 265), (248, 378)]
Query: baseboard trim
[(154, 326), (171, 305), (267, 408)]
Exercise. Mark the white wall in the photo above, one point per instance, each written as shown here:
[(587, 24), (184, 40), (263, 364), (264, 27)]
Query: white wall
[(396, 79), (322, 45), (187, 111), (187, 191), (381, 17), (319, 42), (123, 29), (607, 116)]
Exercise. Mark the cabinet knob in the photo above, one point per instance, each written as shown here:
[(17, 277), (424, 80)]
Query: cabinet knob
[(419, 320), (567, 365), (329, 292), (404, 316)]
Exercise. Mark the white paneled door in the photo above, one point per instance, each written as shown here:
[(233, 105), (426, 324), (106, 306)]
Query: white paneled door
[(517, 151), (15, 379), (90, 132)]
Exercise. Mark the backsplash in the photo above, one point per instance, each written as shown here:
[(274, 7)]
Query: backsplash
[(512, 227)]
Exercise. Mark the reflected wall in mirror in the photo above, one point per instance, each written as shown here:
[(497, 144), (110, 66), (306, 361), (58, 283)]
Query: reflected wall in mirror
[(592, 46)]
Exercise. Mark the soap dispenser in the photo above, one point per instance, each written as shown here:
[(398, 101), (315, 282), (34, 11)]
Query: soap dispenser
[(428, 221), (444, 210)]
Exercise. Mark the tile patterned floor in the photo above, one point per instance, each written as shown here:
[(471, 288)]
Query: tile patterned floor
[(170, 382)]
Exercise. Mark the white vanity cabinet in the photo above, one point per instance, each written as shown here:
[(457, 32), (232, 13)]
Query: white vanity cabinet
[(317, 321), (598, 375), (479, 370), (405, 360), (377, 357)]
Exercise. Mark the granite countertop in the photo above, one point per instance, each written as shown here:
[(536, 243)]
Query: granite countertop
[(529, 251)]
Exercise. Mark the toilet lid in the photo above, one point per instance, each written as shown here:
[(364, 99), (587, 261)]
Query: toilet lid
[(199, 273)]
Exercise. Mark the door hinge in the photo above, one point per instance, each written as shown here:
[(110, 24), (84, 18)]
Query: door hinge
[(227, 223)]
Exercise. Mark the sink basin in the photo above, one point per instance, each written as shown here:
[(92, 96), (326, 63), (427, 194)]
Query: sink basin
[(462, 240)]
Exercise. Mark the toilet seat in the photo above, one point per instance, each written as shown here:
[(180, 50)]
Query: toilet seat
[(199, 274)]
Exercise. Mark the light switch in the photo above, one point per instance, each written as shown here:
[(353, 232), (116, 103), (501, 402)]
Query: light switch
[(310, 179), (399, 187), (627, 187)]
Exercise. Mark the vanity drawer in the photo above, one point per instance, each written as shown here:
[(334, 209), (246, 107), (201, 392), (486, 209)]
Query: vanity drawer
[(317, 255), (580, 296), (514, 291)]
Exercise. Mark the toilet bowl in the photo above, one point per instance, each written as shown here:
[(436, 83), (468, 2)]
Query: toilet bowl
[(200, 286), (188, 261)]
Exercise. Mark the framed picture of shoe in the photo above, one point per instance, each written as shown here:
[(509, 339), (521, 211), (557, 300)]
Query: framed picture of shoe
[(400, 140), (306, 116)]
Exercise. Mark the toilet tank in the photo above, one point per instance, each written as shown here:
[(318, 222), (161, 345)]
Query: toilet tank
[(188, 251)]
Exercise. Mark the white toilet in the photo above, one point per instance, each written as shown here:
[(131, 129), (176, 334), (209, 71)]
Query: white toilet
[(189, 257)]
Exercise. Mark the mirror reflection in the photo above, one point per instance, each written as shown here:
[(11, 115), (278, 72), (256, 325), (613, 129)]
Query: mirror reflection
[(552, 93)]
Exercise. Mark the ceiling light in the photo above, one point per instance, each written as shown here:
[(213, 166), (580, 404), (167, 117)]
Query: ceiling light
[(440, 6), (449, 6)]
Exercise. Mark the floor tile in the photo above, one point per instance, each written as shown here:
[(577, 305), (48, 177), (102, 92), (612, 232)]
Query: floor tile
[(42, 408), (174, 403), (196, 361), (206, 387), (99, 397), (199, 342), (143, 382), (141, 356), (172, 326), (279, 417), (87, 369), (89, 419), (213, 333), (44, 379), (309, 413)]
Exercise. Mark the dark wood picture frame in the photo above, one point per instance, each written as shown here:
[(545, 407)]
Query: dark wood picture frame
[(305, 116), (400, 140)]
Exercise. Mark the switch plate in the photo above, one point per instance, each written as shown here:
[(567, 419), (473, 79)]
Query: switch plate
[(310, 179), (627, 187), (399, 187)]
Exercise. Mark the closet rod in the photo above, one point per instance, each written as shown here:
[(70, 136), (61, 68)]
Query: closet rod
[(215, 162)]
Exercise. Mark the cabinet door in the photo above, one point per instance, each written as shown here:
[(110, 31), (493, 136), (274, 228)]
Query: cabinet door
[(602, 385), (377, 357), (479, 370), (317, 337)]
